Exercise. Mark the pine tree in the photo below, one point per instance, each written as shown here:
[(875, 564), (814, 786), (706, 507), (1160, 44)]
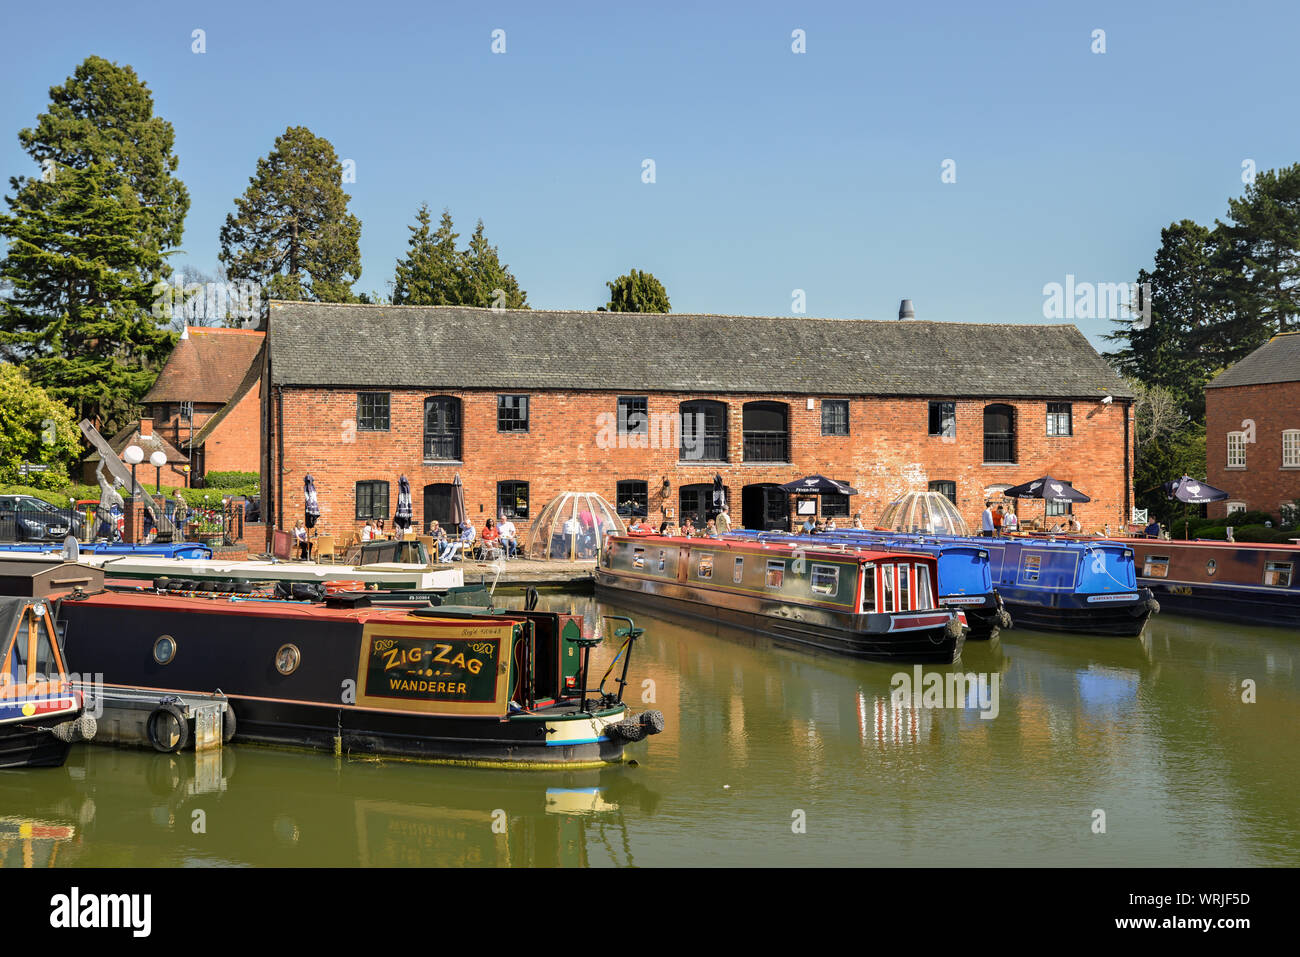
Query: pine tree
[(1261, 251), (487, 281), (87, 240), (432, 272), (291, 230)]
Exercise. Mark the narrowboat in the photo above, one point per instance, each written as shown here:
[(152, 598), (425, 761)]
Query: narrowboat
[(374, 568), (451, 684), (163, 550), (868, 603), (1084, 587), (964, 578), (1242, 582), (40, 712)]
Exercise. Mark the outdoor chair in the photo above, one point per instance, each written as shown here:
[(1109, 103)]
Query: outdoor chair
[(325, 548)]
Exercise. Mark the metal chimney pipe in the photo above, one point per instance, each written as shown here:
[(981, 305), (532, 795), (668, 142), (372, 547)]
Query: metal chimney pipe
[(905, 310)]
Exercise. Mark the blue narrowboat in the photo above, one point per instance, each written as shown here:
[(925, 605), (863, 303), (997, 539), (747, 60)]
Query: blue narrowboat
[(184, 550), (965, 581)]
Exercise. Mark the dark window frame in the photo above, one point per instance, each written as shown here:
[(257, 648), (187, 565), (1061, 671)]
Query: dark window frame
[(627, 408), (450, 437), (835, 405), (941, 409), (371, 512), (766, 445), (513, 511), (367, 420), (1056, 411), (835, 506), (512, 419), (1000, 447), (622, 494), (935, 486), (715, 438)]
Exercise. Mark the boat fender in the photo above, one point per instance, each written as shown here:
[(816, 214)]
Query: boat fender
[(85, 727), (629, 729), (652, 721), (953, 628), (1154, 606), (228, 723), (159, 723), (64, 731), (1004, 618)]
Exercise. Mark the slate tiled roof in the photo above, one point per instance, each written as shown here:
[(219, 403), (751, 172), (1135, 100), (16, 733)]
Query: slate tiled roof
[(1277, 360), (455, 347), (206, 366)]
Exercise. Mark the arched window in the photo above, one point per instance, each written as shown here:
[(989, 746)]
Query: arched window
[(442, 429), (704, 431), (767, 432), (999, 433)]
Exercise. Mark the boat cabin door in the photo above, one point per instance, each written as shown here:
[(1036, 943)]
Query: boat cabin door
[(32, 663)]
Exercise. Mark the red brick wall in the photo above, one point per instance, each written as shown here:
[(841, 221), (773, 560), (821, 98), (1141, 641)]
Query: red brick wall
[(888, 452), (1263, 485), (235, 444)]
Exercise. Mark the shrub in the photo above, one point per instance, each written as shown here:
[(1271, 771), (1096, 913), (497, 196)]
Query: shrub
[(1237, 519)]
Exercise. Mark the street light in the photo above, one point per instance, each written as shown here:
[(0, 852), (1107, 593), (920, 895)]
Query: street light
[(158, 460), (134, 455)]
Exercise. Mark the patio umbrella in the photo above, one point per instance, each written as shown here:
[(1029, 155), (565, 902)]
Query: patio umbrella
[(719, 494), (1049, 490), (458, 513), (311, 506), (402, 517), (817, 485), (1192, 491)]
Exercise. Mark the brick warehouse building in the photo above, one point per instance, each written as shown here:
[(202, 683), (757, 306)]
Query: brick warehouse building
[(1252, 429), (524, 404)]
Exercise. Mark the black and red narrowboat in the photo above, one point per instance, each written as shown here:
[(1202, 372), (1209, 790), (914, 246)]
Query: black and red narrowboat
[(868, 603)]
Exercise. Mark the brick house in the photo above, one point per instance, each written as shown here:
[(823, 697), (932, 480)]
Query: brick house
[(143, 434), (646, 409), (1252, 429), (217, 373)]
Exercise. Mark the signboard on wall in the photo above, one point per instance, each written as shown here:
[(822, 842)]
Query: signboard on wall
[(806, 506)]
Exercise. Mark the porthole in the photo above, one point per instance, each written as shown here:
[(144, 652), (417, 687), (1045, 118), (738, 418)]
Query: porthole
[(287, 659), (164, 650), (1211, 567)]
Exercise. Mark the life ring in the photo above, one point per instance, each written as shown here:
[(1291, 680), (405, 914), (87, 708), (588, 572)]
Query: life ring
[(167, 728)]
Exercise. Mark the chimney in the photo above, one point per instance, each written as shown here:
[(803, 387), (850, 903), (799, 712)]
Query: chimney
[(146, 427), (905, 310)]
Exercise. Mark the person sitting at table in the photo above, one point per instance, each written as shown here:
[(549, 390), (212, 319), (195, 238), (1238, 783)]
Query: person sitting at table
[(857, 521), (509, 537), (688, 529), (367, 532), (300, 539), (441, 546), (467, 536), (491, 539), (711, 529), (1074, 526)]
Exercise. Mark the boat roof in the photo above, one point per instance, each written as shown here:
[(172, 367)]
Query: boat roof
[(831, 550), (1211, 543), (275, 608)]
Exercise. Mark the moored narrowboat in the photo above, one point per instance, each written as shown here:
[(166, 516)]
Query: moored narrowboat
[(1228, 581), (446, 685), (965, 581), (868, 603), (40, 713)]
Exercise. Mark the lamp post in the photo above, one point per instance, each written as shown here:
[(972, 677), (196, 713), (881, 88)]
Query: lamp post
[(133, 455), (158, 460)]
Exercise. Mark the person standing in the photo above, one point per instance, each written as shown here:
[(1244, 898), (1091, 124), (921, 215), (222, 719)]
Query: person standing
[(1011, 524), (722, 522), (998, 516), (986, 520)]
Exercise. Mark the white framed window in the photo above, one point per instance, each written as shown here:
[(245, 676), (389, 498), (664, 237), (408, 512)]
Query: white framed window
[(825, 579), (1236, 450), (1236, 507), (1278, 573), (738, 572), (1291, 449)]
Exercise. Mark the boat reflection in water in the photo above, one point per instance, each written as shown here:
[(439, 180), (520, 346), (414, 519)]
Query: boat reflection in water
[(267, 807)]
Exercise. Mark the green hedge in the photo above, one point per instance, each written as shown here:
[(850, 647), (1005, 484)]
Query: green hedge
[(230, 480), (194, 496), (62, 497)]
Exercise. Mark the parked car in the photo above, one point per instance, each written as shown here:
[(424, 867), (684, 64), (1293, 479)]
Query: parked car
[(26, 518)]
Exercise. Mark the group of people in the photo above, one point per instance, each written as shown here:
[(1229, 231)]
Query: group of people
[(715, 527), (1001, 520), (497, 540)]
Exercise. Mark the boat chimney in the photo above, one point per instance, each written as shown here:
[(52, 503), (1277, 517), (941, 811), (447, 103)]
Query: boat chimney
[(905, 310)]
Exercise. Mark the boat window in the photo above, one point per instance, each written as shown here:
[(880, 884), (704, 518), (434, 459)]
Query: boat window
[(287, 659), (825, 579), (904, 593), (705, 567), (1211, 567), (775, 573), (18, 661), (638, 558), (1278, 573), (1155, 566), (1029, 569), (47, 669), (738, 571), (869, 588), (923, 597), (887, 583), (662, 559)]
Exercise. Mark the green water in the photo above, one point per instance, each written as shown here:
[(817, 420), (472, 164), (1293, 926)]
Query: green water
[(771, 756)]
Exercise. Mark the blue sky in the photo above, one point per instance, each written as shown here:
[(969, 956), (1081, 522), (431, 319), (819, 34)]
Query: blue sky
[(775, 171)]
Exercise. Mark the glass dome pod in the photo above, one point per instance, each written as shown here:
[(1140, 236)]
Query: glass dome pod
[(929, 513), (572, 527)]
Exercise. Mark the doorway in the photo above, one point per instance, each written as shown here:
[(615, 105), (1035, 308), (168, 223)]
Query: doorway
[(765, 507), (437, 504)]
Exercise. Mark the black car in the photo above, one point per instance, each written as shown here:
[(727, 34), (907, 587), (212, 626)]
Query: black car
[(25, 518)]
